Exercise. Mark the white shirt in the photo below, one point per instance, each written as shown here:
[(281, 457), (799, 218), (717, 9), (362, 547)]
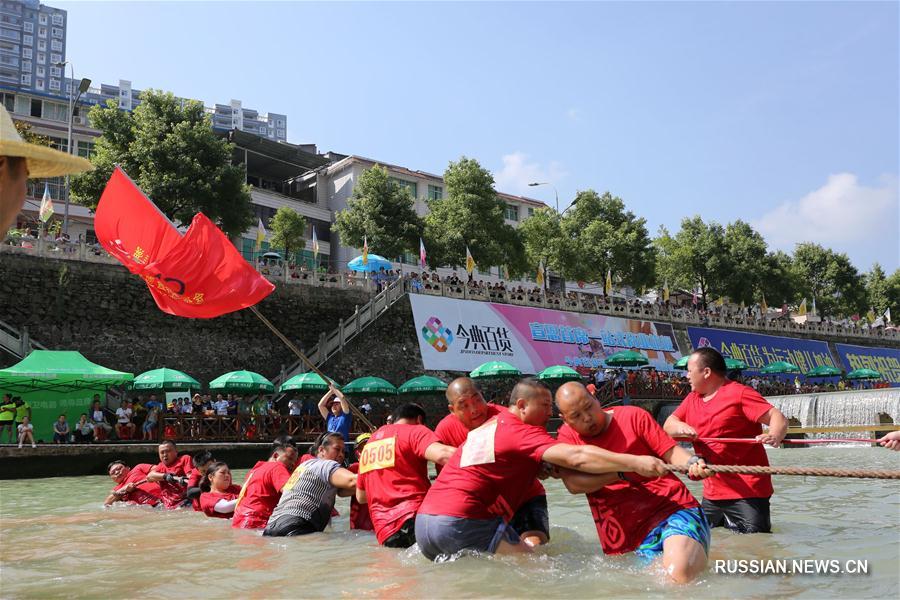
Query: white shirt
[(124, 415), (222, 407), (294, 407)]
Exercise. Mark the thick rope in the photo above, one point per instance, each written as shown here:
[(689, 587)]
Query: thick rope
[(784, 441), (815, 472)]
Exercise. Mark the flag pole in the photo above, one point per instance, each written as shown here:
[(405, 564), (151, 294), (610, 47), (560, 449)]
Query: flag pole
[(308, 362)]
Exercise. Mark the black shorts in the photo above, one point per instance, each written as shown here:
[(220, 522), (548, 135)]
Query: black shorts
[(533, 515), (403, 537), (288, 525), (743, 515)]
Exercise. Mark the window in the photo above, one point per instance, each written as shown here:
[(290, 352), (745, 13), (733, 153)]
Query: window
[(54, 84), (26, 53), (42, 58), (23, 103), (262, 131), (55, 72), (26, 39), (56, 111), (42, 19), (58, 19), (85, 149), (26, 65), (435, 192), (56, 46), (39, 72), (29, 27), (279, 132), (530, 211), (42, 32), (56, 58), (9, 102), (36, 106), (26, 79), (512, 212), (412, 186), (42, 44)]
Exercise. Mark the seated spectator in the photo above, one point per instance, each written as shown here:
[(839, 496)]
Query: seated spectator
[(218, 494), (61, 430), (150, 423), (26, 432), (84, 430), (98, 419), (124, 426)]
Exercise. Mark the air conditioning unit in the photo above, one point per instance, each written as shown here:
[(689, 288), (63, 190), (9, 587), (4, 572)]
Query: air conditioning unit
[(79, 120)]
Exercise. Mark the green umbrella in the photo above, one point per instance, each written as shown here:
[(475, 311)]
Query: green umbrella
[(626, 358), (369, 386), (559, 373), (305, 382), (242, 381), (168, 380), (681, 363), (824, 371), (733, 364), (779, 367), (422, 385), (864, 374), (495, 369)]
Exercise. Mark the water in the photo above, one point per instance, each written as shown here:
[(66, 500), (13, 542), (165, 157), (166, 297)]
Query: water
[(57, 541)]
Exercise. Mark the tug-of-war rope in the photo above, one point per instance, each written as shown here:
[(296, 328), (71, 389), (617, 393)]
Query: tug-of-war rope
[(815, 472)]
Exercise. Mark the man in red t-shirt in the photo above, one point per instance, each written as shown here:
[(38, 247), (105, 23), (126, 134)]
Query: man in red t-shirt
[(465, 508), (131, 484), (468, 411), (632, 513), (171, 474), (393, 476), (262, 489), (719, 408), (359, 512)]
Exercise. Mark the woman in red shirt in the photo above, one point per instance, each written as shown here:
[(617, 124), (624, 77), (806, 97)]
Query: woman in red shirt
[(219, 494)]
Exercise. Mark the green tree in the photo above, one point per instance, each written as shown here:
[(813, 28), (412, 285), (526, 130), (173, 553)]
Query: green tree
[(381, 212), (829, 278), (779, 282), (877, 289), (746, 255), (471, 215), (168, 148), (699, 256), (599, 235), (893, 294), (542, 240), (669, 268), (288, 229)]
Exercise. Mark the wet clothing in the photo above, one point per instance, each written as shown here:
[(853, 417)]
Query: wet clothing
[(307, 499), (689, 522), (744, 515), (260, 494), (440, 537)]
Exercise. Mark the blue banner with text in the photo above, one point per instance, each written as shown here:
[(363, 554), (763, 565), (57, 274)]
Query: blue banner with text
[(884, 360)]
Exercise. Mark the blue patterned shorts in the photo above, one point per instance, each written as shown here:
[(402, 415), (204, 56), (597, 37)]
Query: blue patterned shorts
[(688, 521)]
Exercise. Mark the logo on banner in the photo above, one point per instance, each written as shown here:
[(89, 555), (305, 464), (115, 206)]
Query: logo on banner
[(438, 336), (704, 343)]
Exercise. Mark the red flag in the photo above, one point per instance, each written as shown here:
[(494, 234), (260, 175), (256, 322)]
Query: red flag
[(198, 275)]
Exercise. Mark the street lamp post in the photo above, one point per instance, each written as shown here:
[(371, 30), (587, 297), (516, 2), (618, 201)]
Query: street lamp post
[(83, 86), (558, 216)]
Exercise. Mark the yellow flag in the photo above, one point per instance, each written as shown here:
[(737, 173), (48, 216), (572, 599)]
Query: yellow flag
[(721, 302), (763, 306), (540, 274), (607, 289), (470, 262), (260, 234), (365, 254), (666, 291), (802, 310), (870, 316)]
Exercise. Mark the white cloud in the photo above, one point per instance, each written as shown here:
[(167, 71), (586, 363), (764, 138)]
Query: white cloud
[(842, 215), (518, 172)]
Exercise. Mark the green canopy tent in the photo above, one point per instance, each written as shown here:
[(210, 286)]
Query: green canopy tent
[(864, 374), (559, 374), (242, 381), (495, 369), (168, 380), (823, 371), (369, 386), (57, 382), (423, 385), (779, 368), (306, 382), (626, 358)]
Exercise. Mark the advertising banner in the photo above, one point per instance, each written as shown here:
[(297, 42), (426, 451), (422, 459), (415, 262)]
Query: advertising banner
[(884, 360), (757, 350), (459, 335)]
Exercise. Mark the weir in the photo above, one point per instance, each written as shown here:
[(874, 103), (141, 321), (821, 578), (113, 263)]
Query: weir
[(832, 409)]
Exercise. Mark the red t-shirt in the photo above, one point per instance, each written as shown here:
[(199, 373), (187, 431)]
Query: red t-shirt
[(208, 501), (146, 493), (260, 494), (359, 513), (173, 494), (452, 432), (501, 456), (625, 511), (194, 480), (397, 477), (734, 411)]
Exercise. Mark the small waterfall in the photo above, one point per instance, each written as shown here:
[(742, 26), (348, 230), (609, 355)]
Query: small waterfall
[(833, 409)]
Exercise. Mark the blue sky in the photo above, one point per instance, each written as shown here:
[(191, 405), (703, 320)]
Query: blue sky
[(786, 115)]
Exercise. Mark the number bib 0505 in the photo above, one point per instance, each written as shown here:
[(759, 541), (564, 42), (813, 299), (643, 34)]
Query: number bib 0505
[(378, 455)]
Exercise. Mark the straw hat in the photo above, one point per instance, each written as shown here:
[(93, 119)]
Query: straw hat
[(42, 161)]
